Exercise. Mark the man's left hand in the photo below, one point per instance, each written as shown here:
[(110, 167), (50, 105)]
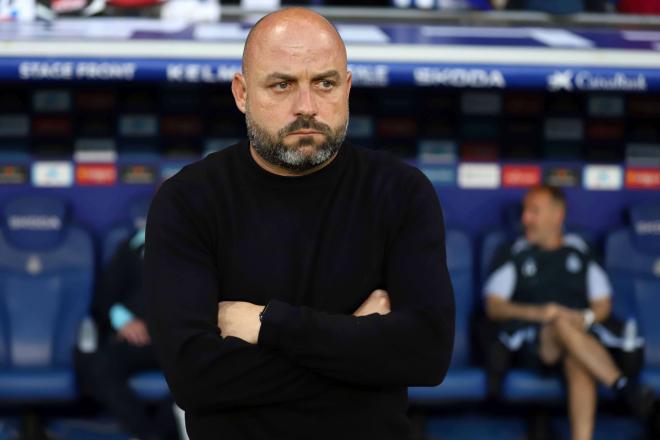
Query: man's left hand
[(239, 319)]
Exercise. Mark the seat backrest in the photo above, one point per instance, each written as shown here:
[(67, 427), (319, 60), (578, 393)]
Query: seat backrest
[(459, 263), (46, 277), (136, 219), (632, 257)]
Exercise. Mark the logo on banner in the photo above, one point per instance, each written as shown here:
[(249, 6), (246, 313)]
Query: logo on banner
[(52, 174), (201, 73), (13, 174), (643, 178), (458, 77), (521, 176), (648, 227), (562, 177), (67, 70), (377, 75), (34, 222), (138, 174), (603, 177), (479, 175), (97, 174), (443, 175), (568, 80)]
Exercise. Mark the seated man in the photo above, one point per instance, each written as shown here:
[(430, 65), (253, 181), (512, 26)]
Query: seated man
[(124, 346), (545, 296)]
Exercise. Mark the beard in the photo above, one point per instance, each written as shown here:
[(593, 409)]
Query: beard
[(292, 157)]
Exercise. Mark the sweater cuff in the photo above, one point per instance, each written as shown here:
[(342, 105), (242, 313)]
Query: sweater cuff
[(273, 322)]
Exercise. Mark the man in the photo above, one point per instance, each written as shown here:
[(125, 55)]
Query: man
[(297, 284), (547, 294), (125, 347)]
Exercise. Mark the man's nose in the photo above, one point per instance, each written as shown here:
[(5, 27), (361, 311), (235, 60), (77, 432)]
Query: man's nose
[(305, 103)]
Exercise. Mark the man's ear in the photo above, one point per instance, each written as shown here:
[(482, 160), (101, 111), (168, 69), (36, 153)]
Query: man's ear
[(238, 89)]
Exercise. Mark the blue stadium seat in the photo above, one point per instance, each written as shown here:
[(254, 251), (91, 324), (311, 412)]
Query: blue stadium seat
[(463, 382), (632, 258), (149, 385), (46, 279)]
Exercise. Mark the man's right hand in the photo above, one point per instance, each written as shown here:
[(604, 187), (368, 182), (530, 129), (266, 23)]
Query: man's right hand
[(550, 312), (135, 333), (377, 302)]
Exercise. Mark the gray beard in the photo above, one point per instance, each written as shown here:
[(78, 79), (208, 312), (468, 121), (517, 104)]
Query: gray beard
[(274, 151)]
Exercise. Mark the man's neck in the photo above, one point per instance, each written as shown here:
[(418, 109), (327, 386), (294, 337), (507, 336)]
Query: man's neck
[(552, 243), (281, 171)]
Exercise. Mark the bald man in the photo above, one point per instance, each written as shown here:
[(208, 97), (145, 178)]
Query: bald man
[(297, 284)]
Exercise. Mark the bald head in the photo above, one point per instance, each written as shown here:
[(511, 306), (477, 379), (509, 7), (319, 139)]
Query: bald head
[(291, 28)]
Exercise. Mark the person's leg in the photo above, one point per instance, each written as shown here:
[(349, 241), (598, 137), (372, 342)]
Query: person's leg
[(582, 399), (107, 379)]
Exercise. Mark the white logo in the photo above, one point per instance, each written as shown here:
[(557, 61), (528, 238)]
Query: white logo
[(478, 78), (561, 81), (529, 268), (648, 228), (201, 73), (603, 177), (656, 268), (35, 222), (52, 174), (573, 263), (586, 80), (368, 75), (34, 266), (479, 175)]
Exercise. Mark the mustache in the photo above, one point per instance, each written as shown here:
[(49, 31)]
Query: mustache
[(306, 123)]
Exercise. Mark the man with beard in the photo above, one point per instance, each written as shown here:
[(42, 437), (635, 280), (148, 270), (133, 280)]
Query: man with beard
[(297, 284)]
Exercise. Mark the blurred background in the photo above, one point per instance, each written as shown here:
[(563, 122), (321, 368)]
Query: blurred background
[(102, 100)]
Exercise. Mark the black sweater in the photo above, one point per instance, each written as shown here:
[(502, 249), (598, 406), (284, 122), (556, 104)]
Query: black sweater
[(314, 247)]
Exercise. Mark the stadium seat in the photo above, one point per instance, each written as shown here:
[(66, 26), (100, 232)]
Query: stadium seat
[(632, 258), (463, 382), (46, 279), (149, 385)]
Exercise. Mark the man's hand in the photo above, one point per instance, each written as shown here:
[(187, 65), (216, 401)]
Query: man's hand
[(239, 319), (377, 302), (550, 312), (135, 333)]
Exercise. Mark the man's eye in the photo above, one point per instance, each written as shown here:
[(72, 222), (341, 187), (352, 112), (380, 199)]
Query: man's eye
[(281, 85), (327, 84)]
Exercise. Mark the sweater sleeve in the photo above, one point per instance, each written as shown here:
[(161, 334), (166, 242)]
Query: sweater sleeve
[(205, 371), (410, 346)]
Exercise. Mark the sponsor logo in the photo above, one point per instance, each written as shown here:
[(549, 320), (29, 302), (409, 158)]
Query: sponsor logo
[(656, 268), (521, 176), (33, 265), (440, 175), (13, 174), (201, 73), (562, 177), (436, 151), (52, 174), (51, 126), (14, 125), (368, 75), (479, 175), (360, 127), (34, 222), (58, 70), (643, 178), (459, 77), (51, 100), (138, 125), (529, 268), (181, 126), (568, 80), (95, 100), (96, 174), (563, 129), (603, 177), (648, 227), (138, 174), (573, 263)]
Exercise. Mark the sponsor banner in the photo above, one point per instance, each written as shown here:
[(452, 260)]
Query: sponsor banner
[(521, 176), (479, 151), (605, 105), (479, 175), (459, 77), (643, 178), (522, 129), (523, 104), (52, 174), (16, 125), (96, 100), (13, 174), (52, 126), (140, 125), (563, 129), (370, 75), (96, 174), (360, 126), (571, 80), (138, 174), (481, 103), (77, 70), (604, 130), (51, 101), (34, 222), (564, 177), (644, 155), (95, 150), (201, 72), (440, 175), (602, 177), (181, 126), (397, 127), (436, 151), (644, 106)]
